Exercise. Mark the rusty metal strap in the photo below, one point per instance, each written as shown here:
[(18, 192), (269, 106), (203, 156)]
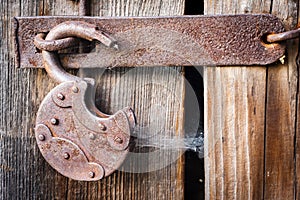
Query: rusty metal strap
[(161, 41)]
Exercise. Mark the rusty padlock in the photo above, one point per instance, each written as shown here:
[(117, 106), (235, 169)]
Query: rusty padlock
[(74, 137)]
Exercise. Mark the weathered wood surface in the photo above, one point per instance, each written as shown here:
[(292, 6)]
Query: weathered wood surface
[(280, 181), (24, 174), (297, 145), (250, 118)]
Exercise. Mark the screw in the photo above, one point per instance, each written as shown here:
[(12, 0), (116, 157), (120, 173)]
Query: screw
[(66, 155), (41, 137), (54, 121), (75, 89), (60, 96), (92, 136), (118, 140), (102, 127), (91, 174)]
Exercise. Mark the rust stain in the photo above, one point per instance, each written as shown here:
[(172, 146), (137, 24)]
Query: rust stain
[(32, 62), (47, 146), (140, 52)]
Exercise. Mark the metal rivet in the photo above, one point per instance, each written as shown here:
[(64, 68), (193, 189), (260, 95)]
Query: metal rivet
[(91, 174), (41, 137), (60, 96), (66, 155), (75, 89), (102, 127), (54, 121), (92, 136), (118, 140)]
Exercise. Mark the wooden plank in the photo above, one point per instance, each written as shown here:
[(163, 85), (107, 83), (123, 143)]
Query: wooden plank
[(234, 121), (143, 90), (133, 86), (235, 116), (234, 142), (281, 114), (24, 174), (297, 145)]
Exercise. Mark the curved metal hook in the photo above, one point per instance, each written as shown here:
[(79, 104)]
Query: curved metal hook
[(72, 29), (53, 45)]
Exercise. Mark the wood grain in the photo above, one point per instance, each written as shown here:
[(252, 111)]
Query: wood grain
[(234, 132), (281, 113), (234, 122), (250, 117), (297, 142), (24, 174)]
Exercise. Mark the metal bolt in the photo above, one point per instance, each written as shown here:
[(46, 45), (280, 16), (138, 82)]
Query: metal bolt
[(75, 89), (41, 137), (92, 136), (54, 121), (66, 155), (60, 96), (118, 140), (91, 174), (102, 127)]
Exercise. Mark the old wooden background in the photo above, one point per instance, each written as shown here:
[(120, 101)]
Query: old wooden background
[(24, 174), (252, 137)]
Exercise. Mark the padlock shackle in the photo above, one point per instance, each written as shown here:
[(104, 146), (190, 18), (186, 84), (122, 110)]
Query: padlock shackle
[(71, 29)]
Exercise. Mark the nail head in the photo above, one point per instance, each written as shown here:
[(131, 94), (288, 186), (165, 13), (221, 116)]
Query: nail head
[(102, 127), (54, 121), (75, 89), (41, 137), (118, 140), (91, 174), (66, 155), (60, 96)]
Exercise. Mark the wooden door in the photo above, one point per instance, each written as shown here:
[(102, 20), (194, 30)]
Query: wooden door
[(24, 173), (251, 114)]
